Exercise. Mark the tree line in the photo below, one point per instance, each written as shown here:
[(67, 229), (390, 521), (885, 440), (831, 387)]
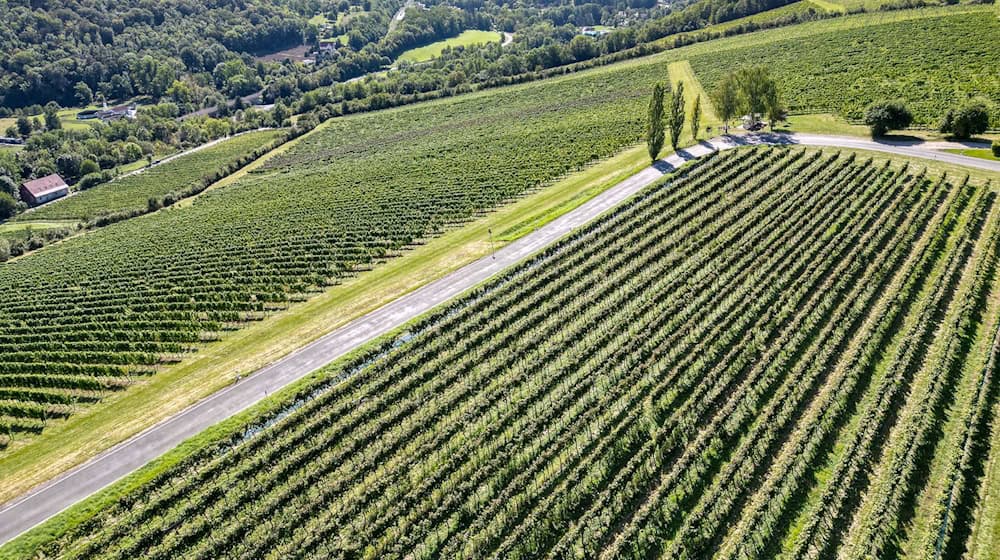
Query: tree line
[(749, 91), (962, 121)]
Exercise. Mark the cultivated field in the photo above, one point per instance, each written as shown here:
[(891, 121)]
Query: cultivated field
[(715, 368), (171, 180), (932, 63), (98, 312)]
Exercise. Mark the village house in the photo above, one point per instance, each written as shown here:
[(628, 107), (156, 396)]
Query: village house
[(43, 190)]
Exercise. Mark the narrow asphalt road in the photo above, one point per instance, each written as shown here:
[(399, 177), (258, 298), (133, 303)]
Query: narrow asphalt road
[(51, 498)]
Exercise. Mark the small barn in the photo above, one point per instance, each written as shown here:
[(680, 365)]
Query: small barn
[(43, 190)]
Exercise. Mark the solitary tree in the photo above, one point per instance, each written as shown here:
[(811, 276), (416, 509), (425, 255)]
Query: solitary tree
[(675, 119), (883, 116), (696, 116), (968, 120), (8, 206), (726, 101), (654, 132), (52, 121), (84, 95), (754, 84), (774, 110), (24, 126)]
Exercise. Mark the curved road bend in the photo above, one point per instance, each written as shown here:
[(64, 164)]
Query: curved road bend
[(76, 484)]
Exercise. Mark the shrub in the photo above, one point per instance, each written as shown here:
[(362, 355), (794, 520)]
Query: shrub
[(967, 120), (996, 148), (92, 180), (8, 206), (884, 116)]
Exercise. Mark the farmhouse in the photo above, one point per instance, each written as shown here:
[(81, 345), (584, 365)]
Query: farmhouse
[(43, 190), (112, 114)]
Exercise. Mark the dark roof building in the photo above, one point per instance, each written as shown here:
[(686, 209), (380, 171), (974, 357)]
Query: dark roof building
[(43, 190)]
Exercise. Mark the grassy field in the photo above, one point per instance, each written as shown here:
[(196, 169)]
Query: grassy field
[(66, 116), (465, 39), (570, 392), (16, 231), (981, 154)]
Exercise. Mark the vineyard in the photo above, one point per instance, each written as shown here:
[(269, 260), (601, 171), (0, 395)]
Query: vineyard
[(775, 353), (161, 185), (99, 312), (932, 63)]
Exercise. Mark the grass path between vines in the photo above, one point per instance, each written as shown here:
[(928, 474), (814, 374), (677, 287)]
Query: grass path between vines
[(911, 533), (822, 474), (65, 444), (924, 522)]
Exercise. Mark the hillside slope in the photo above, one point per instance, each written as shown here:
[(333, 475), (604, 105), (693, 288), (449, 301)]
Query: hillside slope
[(666, 382)]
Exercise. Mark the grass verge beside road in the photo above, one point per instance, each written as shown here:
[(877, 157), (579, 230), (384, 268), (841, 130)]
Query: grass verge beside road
[(971, 152)]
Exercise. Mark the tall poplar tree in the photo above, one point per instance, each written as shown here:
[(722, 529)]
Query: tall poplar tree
[(696, 117), (675, 118), (654, 131)]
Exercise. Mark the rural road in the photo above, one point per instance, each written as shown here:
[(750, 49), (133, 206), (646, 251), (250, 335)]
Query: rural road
[(399, 15), (51, 498)]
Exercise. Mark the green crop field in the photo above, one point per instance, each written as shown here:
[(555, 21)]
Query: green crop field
[(177, 178), (795, 8), (713, 368), (932, 63), (101, 311), (466, 38)]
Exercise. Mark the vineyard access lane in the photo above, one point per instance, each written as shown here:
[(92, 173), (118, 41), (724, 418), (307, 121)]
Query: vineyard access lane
[(74, 485)]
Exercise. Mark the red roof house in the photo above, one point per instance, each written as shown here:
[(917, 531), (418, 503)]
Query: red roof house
[(43, 190)]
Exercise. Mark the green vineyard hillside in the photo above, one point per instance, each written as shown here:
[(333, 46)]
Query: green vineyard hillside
[(103, 311), (175, 179), (710, 370)]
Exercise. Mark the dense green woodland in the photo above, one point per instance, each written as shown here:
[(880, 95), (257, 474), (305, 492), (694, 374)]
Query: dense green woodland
[(668, 382), (198, 53), (50, 46)]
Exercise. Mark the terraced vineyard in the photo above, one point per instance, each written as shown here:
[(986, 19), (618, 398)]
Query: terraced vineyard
[(99, 312), (710, 370)]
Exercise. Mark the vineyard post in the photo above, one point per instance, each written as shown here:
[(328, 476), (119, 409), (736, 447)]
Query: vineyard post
[(492, 248)]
